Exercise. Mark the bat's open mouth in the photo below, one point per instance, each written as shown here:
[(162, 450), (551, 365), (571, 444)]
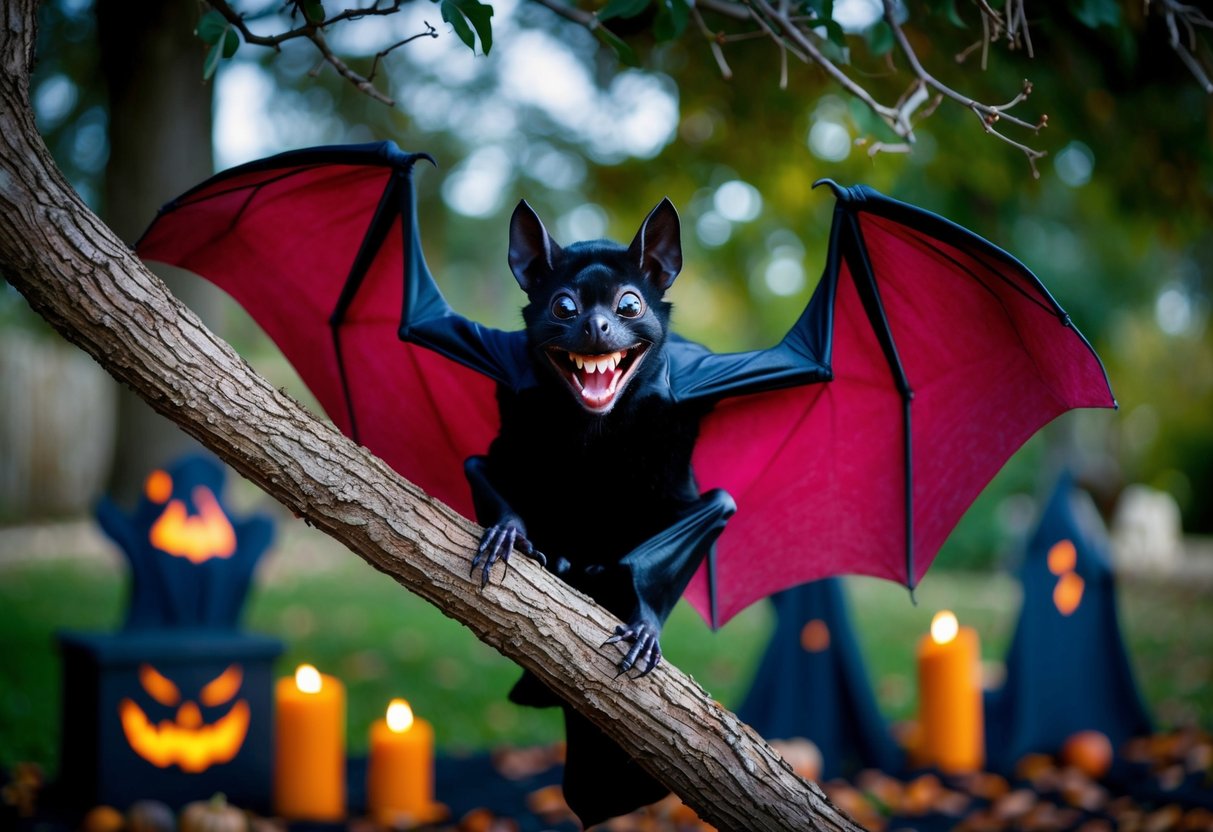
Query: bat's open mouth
[(598, 380)]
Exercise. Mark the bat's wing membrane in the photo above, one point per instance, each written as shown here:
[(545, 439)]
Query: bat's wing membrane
[(946, 355), (320, 247)]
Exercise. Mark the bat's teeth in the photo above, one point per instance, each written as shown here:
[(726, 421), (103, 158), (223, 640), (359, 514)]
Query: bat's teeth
[(597, 363)]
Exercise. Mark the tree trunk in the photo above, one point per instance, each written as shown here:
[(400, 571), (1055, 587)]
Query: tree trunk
[(85, 282), (160, 145)]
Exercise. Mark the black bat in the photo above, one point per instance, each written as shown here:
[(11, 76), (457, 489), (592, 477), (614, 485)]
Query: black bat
[(613, 450)]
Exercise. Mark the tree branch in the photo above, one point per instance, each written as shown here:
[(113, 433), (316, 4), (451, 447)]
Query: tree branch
[(87, 284), (314, 32)]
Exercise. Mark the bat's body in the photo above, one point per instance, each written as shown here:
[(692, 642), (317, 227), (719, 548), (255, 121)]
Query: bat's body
[(592, 466), (611, 449)]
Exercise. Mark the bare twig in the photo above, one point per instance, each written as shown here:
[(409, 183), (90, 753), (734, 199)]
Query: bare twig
[(1177, 14), (314, 32), (714, 40), (988, 114), (430, 32)]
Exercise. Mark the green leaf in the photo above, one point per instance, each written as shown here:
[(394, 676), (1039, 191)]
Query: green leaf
[(211, 27), (452, 15), (672, 17), (625, 53), (314, 11), (231, 42), (213, 57), (459, 13), (880, 38), (1096, 13), (622, 8), (224, 46), (948, 9), (834, 33)]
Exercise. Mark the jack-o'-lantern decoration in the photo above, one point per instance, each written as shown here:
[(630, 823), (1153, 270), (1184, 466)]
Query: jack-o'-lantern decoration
[(207, 533), (185, 740)]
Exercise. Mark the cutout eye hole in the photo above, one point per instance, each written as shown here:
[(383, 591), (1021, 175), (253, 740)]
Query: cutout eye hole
[(630, 305), (160, 688), (564, 307), (222, 688)]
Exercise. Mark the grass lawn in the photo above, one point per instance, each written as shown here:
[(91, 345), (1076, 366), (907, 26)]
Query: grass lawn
[(334, 611)]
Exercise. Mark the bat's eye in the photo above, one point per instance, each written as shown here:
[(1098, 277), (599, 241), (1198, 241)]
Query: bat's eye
[(630, 305), (564, 307)]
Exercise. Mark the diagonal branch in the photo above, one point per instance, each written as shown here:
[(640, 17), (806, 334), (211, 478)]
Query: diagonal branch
[(314, 32), (78, 275)]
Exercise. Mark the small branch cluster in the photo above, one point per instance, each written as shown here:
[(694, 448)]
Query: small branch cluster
[(1184, 23), (1010, 25), (312, 28), (801, 35)]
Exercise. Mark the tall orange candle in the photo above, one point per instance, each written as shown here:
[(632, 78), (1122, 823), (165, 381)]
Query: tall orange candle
[(949, 697), (309, 747), (400, 773)]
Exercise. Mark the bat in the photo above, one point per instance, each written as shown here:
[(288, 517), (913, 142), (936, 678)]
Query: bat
[(641, 466)]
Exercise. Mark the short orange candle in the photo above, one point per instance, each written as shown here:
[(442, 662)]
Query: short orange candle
[(400, 773), (309, 747), (952, 736)]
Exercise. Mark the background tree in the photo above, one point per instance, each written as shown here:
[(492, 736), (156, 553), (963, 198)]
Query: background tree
[(1115, 223)]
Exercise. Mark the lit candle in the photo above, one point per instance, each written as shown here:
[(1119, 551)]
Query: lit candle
[(309, 747), (400, 774), (949, 697)]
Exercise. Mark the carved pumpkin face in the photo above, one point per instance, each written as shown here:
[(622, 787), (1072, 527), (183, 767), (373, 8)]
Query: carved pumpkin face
[(185, 740), (196, 537)]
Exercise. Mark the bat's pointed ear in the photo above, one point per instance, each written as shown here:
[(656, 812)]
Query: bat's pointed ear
[(658, 245), (532, 251)]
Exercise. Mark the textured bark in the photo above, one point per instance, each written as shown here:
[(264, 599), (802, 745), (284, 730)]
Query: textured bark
[(82, 279)]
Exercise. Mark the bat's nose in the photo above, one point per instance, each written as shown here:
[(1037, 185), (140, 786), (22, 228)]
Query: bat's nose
[(597, 326)]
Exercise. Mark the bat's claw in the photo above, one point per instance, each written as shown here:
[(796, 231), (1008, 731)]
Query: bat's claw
[(645, 652), (497, 544)]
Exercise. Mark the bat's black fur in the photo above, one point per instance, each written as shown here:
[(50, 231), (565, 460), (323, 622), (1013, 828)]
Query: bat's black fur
[(602, 486)]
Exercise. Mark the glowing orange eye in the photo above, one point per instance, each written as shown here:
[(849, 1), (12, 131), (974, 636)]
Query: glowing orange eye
[(1062, 557), (815, 636), (159, 486), (158, 687), (1067, 595), (223, 687)]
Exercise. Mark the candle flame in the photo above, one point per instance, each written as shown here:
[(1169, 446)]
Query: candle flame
[(307, 679), (399, 716), (944, 627)]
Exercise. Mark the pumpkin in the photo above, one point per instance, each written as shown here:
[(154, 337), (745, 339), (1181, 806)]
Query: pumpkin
[(214, 815), (185, 740), (103, 819), (1088, 751), (150, 816)]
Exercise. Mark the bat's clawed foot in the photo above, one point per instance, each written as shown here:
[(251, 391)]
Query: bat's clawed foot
[(645, 652), (497, 544)]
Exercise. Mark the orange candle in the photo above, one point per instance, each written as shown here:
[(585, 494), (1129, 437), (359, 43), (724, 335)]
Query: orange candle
[(309, 747), (400, 773), (952, 736)]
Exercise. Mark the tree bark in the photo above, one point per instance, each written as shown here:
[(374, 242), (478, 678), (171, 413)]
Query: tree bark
[(87, 284)]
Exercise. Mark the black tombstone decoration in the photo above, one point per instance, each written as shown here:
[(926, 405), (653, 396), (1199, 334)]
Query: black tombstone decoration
[(812, 683), (1066, 669), (178, 704)]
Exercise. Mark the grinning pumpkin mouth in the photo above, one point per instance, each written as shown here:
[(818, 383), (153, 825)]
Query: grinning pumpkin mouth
[(598, 380), (186, 742)]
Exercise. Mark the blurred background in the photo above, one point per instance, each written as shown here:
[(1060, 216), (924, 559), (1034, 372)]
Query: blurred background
[(1117, 225)]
